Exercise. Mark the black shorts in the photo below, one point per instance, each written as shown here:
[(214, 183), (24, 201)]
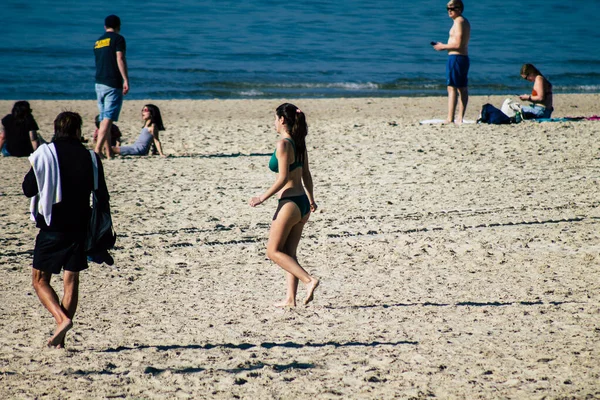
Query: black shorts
[(56, 250)]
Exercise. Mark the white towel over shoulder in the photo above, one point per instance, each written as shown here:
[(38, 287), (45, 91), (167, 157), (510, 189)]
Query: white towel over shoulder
[(47, 173)]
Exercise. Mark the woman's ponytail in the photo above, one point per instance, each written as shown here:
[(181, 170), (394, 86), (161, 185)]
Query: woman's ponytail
[(295, 120)]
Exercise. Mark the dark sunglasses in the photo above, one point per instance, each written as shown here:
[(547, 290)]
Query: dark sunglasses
[(451, 8)]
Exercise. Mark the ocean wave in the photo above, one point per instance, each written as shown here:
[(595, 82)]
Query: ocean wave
[(294, 85), (338, 85), (584, 62), (575, 75), (169, 89), (578, 88), (252, 93)]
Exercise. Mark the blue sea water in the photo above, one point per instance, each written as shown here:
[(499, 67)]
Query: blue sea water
[(271, 49)]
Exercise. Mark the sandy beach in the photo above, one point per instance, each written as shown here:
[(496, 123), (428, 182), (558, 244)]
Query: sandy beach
[(455, 262)]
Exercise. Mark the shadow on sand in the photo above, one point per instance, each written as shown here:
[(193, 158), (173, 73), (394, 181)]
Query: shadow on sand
[(248, 346), (459, 304), (244, 367), (220, 155)]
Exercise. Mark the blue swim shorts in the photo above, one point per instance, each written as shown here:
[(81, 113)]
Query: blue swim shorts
[(110, 101), (457, 69)]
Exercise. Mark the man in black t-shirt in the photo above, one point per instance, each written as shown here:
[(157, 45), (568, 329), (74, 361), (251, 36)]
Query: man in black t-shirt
[(112, 81)]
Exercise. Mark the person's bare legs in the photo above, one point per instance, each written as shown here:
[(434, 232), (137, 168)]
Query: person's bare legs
[(291, 283), (296, 234), (107, 147), (463, 93), (103, 140), (291, 245), (70, 297), (452, 99), (288, 215), (49, 298)]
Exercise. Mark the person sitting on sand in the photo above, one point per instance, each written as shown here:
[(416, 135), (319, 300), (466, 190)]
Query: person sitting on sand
[(541, 95), (18, 132), (61, 208), (150, 134), (115, 133), (290, 162)]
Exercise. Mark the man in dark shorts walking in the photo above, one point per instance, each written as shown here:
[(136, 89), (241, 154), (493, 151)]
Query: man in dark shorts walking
[(61, 208), (457, 67), (112, 81)]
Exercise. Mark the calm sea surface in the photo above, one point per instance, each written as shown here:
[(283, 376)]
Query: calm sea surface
[(271, 49)]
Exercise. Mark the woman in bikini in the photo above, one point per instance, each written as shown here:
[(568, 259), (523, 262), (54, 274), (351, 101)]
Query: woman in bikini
[(541, 95), (296, 202), (149, 135)]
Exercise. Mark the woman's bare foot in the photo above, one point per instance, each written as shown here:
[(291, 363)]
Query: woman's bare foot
[(310, 288), (286, 303), (447, 122), (58, 340)]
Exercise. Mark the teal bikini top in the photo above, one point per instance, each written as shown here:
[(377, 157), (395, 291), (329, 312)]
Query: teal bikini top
[(274, 163)]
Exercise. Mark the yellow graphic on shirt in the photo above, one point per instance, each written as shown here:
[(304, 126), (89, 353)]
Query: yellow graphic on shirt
[(102, 43)]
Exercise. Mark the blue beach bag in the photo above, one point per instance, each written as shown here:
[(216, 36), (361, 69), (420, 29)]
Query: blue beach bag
[(492, 115)]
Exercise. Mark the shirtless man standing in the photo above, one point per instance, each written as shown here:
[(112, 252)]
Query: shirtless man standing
[(457, 67)]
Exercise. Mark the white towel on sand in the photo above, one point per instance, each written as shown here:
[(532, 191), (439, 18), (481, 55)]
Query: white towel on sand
[(47, 173)]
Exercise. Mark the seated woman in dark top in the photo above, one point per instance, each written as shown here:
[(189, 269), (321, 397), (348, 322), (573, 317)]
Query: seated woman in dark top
[(18, 133), (148, 136), (65, 168)]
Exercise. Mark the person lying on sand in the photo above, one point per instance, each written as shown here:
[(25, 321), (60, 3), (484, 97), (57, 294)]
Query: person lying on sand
[(150, 134)]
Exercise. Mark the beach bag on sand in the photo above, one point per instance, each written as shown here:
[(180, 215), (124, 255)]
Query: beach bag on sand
[(101, 236), (511, 108), (491, 115)]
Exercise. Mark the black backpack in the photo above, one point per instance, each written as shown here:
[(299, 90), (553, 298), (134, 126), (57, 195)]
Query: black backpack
[(101, 236), (492, 115)]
